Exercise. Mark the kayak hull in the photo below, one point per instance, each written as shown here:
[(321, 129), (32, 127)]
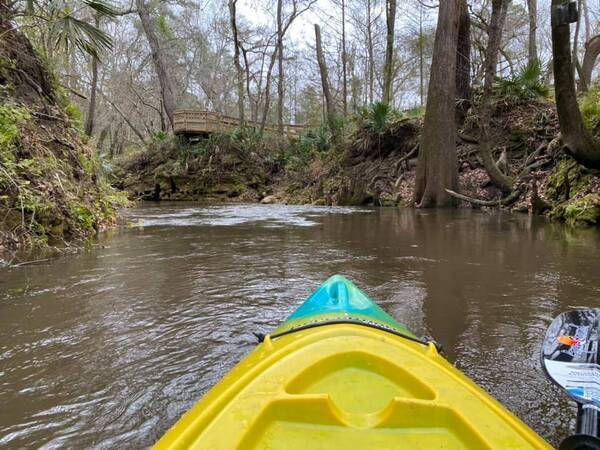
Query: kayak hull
[(347, 385)]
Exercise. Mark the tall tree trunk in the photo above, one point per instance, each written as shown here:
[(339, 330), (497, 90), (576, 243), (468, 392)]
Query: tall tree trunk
[(463, 64), (586, 15), (252, 100), (282, 27), (159, 58), (497, 20), (371, 74), (421, 57), (267, 105), (330, 107), (355, 84), (344, 62), (280, 73), (437, 169), (576, 138), (575, 56), (532, 53), (91, 112), (388, 67), (236, 59)]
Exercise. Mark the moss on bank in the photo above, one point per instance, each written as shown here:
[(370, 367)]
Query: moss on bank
[(52, 189), (575, 193)]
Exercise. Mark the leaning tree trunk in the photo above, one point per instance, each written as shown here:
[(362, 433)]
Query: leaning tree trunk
[(463, 65), (577, 139), (532, 52), (388, 66), (236, 59), (497, 20), (437, 168), (325, 83), (592, 50), (159, 59)]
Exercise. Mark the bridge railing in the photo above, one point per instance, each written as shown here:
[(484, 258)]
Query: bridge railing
[(190, 121)]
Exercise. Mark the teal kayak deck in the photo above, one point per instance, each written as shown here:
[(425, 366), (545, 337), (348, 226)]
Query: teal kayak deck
[(338, 300)]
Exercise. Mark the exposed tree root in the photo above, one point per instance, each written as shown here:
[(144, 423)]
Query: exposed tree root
[(467, 139), (508, 200), (410, 154)]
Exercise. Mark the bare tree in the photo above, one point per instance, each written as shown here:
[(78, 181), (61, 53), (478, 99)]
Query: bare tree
[(497, 20), (236, 59), (159, 58), (437, 168), (532, 51), (388, 67), (283, 24), (330, 107), (280, 86), (344, 61), (371, 58), (586, 16)]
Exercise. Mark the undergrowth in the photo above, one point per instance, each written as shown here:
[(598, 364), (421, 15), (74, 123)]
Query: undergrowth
[(49, 182)]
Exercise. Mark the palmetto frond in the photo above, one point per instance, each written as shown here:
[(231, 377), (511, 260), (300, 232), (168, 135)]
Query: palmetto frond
[(526, 85), (68, 30), (103, 7), (86, 37)]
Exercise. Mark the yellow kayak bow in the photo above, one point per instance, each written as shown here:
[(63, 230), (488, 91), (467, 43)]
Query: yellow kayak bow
[(342, 374)]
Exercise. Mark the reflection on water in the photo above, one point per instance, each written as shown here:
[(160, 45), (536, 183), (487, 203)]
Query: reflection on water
[(109, 347)]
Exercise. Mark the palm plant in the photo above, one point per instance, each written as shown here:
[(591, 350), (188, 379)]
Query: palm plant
[(377, 117), (526, 85), (373, 122), (315, 140), (64, 26)]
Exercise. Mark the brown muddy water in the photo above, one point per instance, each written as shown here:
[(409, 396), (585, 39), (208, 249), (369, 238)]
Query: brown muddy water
[(108, 347)]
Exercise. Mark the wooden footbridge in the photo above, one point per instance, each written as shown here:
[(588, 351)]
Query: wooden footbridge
[(204, 123)]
